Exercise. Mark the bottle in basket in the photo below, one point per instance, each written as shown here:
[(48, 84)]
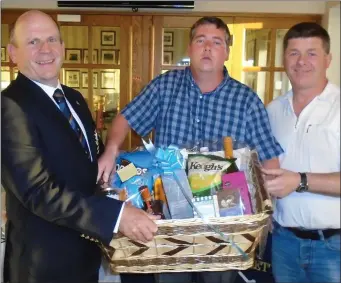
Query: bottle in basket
[(228, 152), (159, 198), (147, 199)]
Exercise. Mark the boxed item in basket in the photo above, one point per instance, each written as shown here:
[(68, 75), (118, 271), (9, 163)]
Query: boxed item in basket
[(202, 242)]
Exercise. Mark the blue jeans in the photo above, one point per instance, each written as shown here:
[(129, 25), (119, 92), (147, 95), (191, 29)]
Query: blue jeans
[(301, 260), (197, 277)]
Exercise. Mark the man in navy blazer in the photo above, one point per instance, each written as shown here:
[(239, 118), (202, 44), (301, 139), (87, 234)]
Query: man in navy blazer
[(49, 177)]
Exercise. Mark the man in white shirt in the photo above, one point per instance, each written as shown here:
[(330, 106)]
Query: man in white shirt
[(306, 122)]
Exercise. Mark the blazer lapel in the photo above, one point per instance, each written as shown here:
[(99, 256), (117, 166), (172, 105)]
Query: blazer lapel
[(40, 99), (83, 113)]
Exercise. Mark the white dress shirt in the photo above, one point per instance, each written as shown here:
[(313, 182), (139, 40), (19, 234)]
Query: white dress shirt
[(311, 143)]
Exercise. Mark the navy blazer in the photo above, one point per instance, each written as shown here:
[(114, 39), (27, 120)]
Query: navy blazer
[(50, 189)]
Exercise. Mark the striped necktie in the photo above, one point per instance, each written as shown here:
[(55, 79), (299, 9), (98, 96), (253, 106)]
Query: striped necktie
[(59, 97)]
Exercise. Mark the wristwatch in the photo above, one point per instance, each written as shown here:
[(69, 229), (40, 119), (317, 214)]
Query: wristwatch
[(303, 186)]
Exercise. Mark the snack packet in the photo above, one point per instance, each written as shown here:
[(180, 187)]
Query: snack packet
[(205, 171)]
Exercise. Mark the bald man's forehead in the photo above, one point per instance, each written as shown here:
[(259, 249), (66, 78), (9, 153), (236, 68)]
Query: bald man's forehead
[(35, 23), (34, 14), (35, 18)]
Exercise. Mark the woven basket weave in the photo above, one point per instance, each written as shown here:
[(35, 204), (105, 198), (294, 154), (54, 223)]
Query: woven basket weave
[(191, 245)]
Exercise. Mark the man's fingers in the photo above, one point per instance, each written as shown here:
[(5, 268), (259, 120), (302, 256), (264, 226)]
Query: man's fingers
[(139, 235), (106, 176), (99, 174), (151, 224), (271, 185), (275, 172), (143, 233), (154, 217)]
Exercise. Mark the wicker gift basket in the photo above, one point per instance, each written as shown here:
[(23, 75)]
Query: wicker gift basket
[(193, 244)]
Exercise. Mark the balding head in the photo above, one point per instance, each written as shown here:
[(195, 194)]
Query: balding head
[(36, 47), (27, 17)]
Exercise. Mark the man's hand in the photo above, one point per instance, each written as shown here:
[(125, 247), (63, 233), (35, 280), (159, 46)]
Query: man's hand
[(116, 134), (137, 225), (106, 165), (283, 182)]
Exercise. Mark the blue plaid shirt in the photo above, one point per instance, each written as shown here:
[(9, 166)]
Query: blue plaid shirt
[(181, 114)]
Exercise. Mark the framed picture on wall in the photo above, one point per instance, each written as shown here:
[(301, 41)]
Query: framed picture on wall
[(94, 56), (73, 56), (95, 80), (167, 57), (107, 79), (117, 57), (108, 38), (168, 38), (3, 54), (72, 78), (108, 56), (85, 82)]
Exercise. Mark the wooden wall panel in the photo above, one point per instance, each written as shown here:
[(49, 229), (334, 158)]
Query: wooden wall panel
[(158, 24), (126, 68), (137, 68), (75, 36)]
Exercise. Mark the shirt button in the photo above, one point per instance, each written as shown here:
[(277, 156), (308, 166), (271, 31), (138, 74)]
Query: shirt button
[(198, 120), (192, 84), (200, 96)]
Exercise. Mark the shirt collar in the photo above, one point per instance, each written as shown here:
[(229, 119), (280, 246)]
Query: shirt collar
[(324, 95), (189, 76), (49, 90)]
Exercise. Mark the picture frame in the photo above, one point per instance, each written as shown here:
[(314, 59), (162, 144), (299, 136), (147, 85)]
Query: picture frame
[(15, 73), (3, 54), (167, 57), (168, 37), (85, 81), (72, 78), (94, 56), (73, 56), (95, 80), (108, 56), (117, 57), (5, 79), (108, 38), (107, 79)]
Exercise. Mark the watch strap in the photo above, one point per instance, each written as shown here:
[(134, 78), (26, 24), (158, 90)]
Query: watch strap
[(304, 180), (303, 186)]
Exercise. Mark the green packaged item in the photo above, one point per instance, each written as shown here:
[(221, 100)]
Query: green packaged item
[(205, 171)]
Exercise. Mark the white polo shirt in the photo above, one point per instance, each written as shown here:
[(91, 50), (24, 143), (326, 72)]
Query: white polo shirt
[(311, 143)]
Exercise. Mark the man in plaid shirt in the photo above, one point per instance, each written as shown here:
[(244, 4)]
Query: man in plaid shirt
[(194, 105)]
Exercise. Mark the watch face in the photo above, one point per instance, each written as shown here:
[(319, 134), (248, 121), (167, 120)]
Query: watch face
[(301, 189)]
